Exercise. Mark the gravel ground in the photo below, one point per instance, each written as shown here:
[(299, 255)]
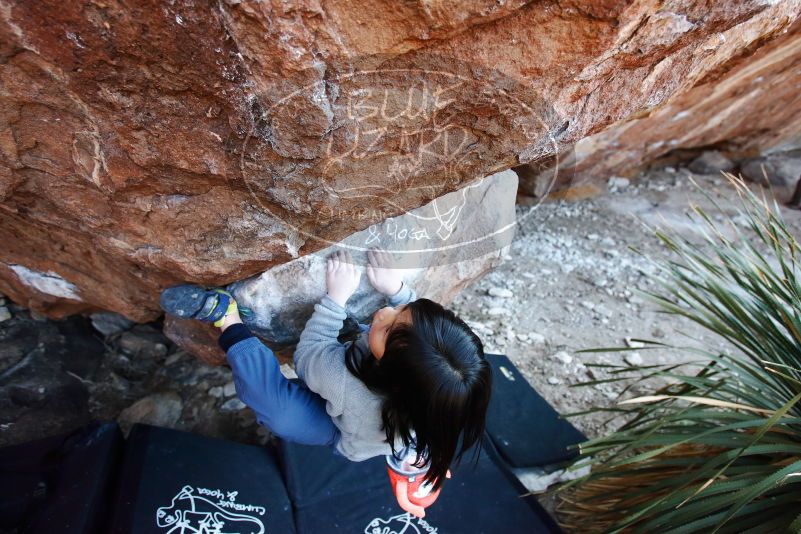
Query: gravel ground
[(574, 279)]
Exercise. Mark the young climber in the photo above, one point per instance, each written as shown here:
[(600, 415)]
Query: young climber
[(416, 376)]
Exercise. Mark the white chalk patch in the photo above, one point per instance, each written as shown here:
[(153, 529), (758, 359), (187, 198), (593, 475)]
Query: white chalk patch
[(49, 283), (679, 116)]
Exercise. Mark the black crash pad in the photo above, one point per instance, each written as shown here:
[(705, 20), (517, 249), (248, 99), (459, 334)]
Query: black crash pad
[(179, 483), (331, 494), (60, 484), (525, 429)]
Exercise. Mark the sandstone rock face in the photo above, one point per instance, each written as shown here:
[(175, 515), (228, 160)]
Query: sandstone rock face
[(145, 144), (748, 105), (442, 247)]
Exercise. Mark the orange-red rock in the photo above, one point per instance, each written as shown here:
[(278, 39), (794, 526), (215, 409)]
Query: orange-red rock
[(749, 104), (149, 143)]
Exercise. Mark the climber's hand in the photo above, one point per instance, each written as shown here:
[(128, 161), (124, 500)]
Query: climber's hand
[(383, 276), (341, 277)]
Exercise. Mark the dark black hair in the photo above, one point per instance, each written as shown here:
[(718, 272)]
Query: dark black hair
[(435, 383)]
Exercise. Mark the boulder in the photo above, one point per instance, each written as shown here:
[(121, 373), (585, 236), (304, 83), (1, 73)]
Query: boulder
[(149, 144), (109, 323), (442, 247), (196, 338), (711, 162), (748, 104), (775, 170)]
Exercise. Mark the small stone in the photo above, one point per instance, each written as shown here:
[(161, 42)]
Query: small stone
[(5, 315), (522, 337), (633, 358), (616, 183), (658, 332), (174, 357), (477, 326), (603, 310), (143, 340), (587, 304), (552, 380), (160, 409), (711, 162), (498, 311), (630, 343), (500, 292), (780, 170), (216, 391), (563, 357), (635, 299), (229, 389), (608, 242), (611, 395), (233, 405), (109, 323), (536, 339), (38, 317)]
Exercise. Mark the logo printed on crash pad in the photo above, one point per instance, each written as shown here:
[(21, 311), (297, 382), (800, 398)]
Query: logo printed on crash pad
[(400, 524), (194, 511)]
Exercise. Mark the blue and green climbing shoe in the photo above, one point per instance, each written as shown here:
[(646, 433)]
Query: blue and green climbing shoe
[(195, 302)]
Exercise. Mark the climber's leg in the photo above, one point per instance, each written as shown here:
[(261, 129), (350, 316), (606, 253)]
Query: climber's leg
[(288, 409)]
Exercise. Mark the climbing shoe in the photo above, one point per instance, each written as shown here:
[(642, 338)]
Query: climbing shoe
[(195, 302)]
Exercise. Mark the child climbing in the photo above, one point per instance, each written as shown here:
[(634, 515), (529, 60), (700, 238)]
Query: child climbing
[(414, 381)]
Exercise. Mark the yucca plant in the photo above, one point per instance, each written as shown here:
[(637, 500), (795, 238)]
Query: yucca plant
[(718, 448)]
